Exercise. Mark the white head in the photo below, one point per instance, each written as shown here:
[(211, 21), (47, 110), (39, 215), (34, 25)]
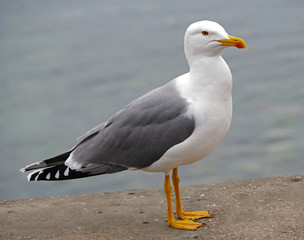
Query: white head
[(207, 38)]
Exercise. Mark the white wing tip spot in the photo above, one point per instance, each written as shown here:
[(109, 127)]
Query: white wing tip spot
[(57, 174), (48, 176), (66, 172)]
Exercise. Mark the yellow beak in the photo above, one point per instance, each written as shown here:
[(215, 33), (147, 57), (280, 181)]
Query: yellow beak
[(233, 41)]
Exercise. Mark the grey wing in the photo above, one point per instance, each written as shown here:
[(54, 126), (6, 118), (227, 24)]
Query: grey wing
[(138, 135), (90, 133)]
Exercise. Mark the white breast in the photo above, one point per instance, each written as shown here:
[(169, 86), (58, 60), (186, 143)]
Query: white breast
[(210, 104)]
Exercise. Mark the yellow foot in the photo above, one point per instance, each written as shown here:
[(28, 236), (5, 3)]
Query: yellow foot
[(185, 224), (193, 215)]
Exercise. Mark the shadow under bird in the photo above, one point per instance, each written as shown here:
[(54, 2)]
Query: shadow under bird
[(173, 125)]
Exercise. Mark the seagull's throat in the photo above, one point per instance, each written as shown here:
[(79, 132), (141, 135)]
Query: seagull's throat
[(208, 67), (212, 74)]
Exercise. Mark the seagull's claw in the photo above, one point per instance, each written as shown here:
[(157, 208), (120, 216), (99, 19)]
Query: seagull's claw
[(185, 224), (193, 215)]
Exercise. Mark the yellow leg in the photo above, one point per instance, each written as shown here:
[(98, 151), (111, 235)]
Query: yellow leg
[(179, 210), (183, 224)]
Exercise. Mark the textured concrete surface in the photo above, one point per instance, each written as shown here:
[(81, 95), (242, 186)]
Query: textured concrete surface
[(270, 208)]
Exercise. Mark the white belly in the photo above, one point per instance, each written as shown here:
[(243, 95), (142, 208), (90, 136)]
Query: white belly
[(212, 124), (212, 111), (206, 137)]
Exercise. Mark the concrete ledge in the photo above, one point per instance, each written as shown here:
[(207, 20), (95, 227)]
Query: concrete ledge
[(271, 208)]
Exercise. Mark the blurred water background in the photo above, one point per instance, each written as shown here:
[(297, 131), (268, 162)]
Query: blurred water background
[(68, 65)]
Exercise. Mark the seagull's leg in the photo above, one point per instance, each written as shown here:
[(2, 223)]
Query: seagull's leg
[(182, 224), (179, 210)]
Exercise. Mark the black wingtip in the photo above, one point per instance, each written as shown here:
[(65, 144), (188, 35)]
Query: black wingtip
[(55, 173), (63, 172)]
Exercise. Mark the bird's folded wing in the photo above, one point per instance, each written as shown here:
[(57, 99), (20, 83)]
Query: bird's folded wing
[(138, 135)]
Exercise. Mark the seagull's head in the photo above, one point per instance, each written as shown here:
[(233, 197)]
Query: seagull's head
[(207, 38)]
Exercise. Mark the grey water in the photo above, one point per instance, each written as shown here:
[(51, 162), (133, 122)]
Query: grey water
[(66, 66)]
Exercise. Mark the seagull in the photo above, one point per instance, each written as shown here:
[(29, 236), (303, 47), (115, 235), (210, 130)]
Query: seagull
[(176, 124)]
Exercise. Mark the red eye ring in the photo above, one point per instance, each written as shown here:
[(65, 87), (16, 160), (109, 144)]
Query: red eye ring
[(205, 33)]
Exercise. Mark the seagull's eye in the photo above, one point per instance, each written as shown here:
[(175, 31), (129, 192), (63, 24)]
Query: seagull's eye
[(205, 33)]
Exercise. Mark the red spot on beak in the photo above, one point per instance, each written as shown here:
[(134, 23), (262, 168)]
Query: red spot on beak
[(239, 45)]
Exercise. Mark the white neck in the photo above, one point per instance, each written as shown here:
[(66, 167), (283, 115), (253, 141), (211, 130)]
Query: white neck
[(209, 73)]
